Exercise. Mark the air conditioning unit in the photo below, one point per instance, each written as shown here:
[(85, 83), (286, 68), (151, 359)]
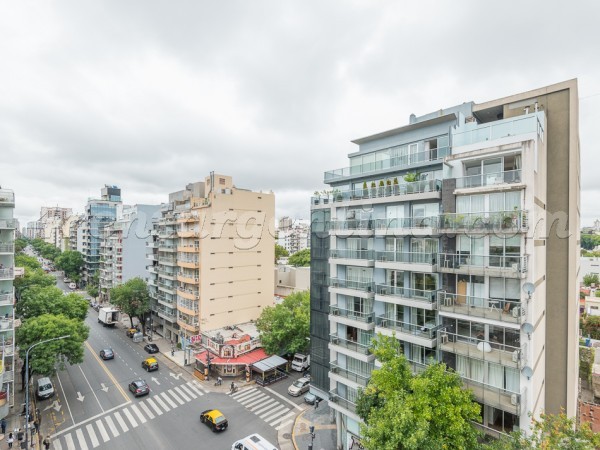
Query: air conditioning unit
[(444, 338), (514, 399), (516, 355), (335, 312), (335, 340), (334, 370)]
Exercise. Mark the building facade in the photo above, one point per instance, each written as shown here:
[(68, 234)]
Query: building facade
[(293, 235), (448, 234), (7, 296)]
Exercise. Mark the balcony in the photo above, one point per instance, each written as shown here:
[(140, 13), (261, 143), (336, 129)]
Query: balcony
[(6, 324), (489, 179), (349, 344), (192, 327), (8, 224), (189, 294), (7, 198), (166, 247), (417, 298), (7, 298), (167, 234), (397, 163), (152, 269), (409, 261), (352, 227), (152, 244), (7, 274), (187, 218), (181, 307), (188, 233), (515, 221), (363, 258), (188, 278), (341, 401), (492, 265), (166, 315), (169, 288), (7, 248), (413, 226), (491, 351), (505, 310), (424, 335), (188, 248), (358, 378), (151, 257), (495, 396), (474, 133), (162, 299), (168, 274), (351, 287), (167, 260), (188, 263), (365, 320)]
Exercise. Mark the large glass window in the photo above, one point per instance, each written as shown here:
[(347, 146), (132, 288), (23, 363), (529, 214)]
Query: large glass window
[(423, 283)]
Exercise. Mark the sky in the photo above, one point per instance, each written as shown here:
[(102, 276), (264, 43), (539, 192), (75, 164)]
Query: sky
[(151, 95)]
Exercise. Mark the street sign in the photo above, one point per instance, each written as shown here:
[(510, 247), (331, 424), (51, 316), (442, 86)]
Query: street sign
[(196, 339)]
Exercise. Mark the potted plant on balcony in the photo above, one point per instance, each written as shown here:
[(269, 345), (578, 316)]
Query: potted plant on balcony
[(373, 189), (325, 193), (507, 220), (411, 177), (365, 192), (396, 190), (388, 187), (337, 195), (317, 197)]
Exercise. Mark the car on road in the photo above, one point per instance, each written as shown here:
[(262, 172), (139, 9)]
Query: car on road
[(150, 364), (107, 353), (299, 387), (45, 389), (214, 419), (72, 286), (66, 280), (151, 348), (131, 331), (310, 398), (139, 387)]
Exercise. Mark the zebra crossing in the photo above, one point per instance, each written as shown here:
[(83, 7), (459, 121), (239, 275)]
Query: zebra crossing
[(264, 406), (102, 430)]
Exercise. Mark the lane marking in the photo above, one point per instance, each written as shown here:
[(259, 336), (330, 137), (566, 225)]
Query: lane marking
[(92, 434), (168, 399), (121, 422), (188, 391), (69, 442), (147, 410), (81, 439), (182, 394), (89, 419), (283, 398), (57, 445), (138, 413), (176, 397), (130, 417), (102, 430), (112, 426), (161, 403), (245, 393), (65, 395), (154, 407), (252, 397), (266, 417), (196, 390), (93, 392), (110, 375), (266, 406)]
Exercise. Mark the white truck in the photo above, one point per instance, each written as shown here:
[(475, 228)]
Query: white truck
[(108, 316), (300, 362)]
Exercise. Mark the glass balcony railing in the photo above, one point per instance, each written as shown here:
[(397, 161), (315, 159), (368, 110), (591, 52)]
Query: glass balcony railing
[(466, 260), (366, 286), (7, 248), (7, 274), (7, 197), (514, 126), (391, 190), (398, 162), (349, 344), (352, 224), (505, 353), (360, 378), (8, 223), (506, 310), (342, 401), (427, 331), (514, 220), (423, 295), (489, 179), (352, 254), (497, 397), (366, 317), (406, 257), (407, 222)]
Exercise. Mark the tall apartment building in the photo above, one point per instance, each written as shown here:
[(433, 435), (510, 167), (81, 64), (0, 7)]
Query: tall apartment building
[(7, 296), (293, 235), (123, 247), (76, 232), (457, 234), (34, 230), (52, 220), (214, 259), (98, 213)]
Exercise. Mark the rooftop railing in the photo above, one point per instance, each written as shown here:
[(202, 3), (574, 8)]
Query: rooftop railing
[(514, 126)]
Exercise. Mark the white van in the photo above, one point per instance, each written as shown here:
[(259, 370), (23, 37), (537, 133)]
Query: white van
[(253, 442), (45, 389)]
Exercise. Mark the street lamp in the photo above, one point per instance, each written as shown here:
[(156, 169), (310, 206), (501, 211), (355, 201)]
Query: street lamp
[(312, 436), (27, 383)]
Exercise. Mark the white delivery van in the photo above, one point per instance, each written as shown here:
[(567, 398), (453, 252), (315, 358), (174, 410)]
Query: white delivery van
[(44, 388), (253, 442)]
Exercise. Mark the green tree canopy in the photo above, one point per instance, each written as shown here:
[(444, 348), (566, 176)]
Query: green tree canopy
[(591, 278), (591, 326), (92, 290), (23, 260), (589, 241), (427, 411), (45, 249), (285, 327), (71, 263), (20, 244), (133, 299), (300, 259), (280, 252), (38, 300), (33, 277), (43, 359)]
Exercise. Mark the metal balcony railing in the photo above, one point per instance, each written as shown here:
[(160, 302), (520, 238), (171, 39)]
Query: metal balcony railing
[(407, 222), (359, 316), (506, 310), (8, 223), (349, 344), (366, 286), (515, 220), (360, 378), (406, 257), (7, 274), (342, 401), (480, 348), (408, 293), (427, 331), (352, 254), (7, 248), (351, 224), (459, 260)]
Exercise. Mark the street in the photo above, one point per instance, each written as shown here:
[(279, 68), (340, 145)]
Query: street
[(93, 407)]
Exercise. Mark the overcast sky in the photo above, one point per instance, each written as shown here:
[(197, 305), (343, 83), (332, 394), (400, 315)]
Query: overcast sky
[(151, 95)]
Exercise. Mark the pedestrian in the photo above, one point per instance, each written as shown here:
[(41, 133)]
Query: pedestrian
[(36, 424), (219, 381), (10, 440), (20, 436), (3, 426), (46, 442)]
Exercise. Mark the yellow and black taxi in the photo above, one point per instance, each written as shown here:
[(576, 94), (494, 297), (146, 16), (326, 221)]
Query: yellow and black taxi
[(131, 331), (214, 419), (150, 364)]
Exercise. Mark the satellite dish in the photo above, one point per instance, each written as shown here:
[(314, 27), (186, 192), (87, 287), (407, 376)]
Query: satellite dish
[(527, 328), (527, 371), (528, 288)]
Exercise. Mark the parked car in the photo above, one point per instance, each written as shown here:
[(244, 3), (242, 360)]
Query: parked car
[(72, 285), (131, 331), (214, 419), (151, 348), (139, 387), (310, 398), (66, 280), (150, 364), (107, 353), (45, 389), (299, 387)]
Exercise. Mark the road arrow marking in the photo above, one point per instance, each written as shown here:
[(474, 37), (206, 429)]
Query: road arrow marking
[(104, 388), (175, 376), (155, 380), (80, 397), (54, 405)]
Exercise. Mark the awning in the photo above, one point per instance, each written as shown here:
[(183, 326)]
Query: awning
[(270, 363), (246, 358)]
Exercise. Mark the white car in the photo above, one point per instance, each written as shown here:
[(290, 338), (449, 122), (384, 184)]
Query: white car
[(300, 386), (72, 286), (66, 280)]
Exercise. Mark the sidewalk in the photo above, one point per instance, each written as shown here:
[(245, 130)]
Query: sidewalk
[(297, 436)]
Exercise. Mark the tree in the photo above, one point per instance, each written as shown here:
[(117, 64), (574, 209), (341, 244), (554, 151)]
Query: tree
[(38, 300), (32, 277), (71, 263), (589, 241), (23, 260), (551, 432), (285, 328), (43, 358), (591, 326), (133, 299), (300, 259), (591, 278), (280, 252), (20, 244), (430, 410), (92, 290)]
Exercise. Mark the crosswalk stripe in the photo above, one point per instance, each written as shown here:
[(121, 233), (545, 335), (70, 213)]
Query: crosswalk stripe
[(176, 397), (161, 403), (103, 432), (280, 419), (138, 413), (57, 445), (121, 422), (243, 394), (180, 392), (112, 426), (168, 399), (147, 410), (253, 401), (269, 415), (69, 442), (188, 390), (81, 439), (249, 398), (92, 434), (198, 391), (130, 417), (156, 409), (270, 404), (198, 385), (283, 424)]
